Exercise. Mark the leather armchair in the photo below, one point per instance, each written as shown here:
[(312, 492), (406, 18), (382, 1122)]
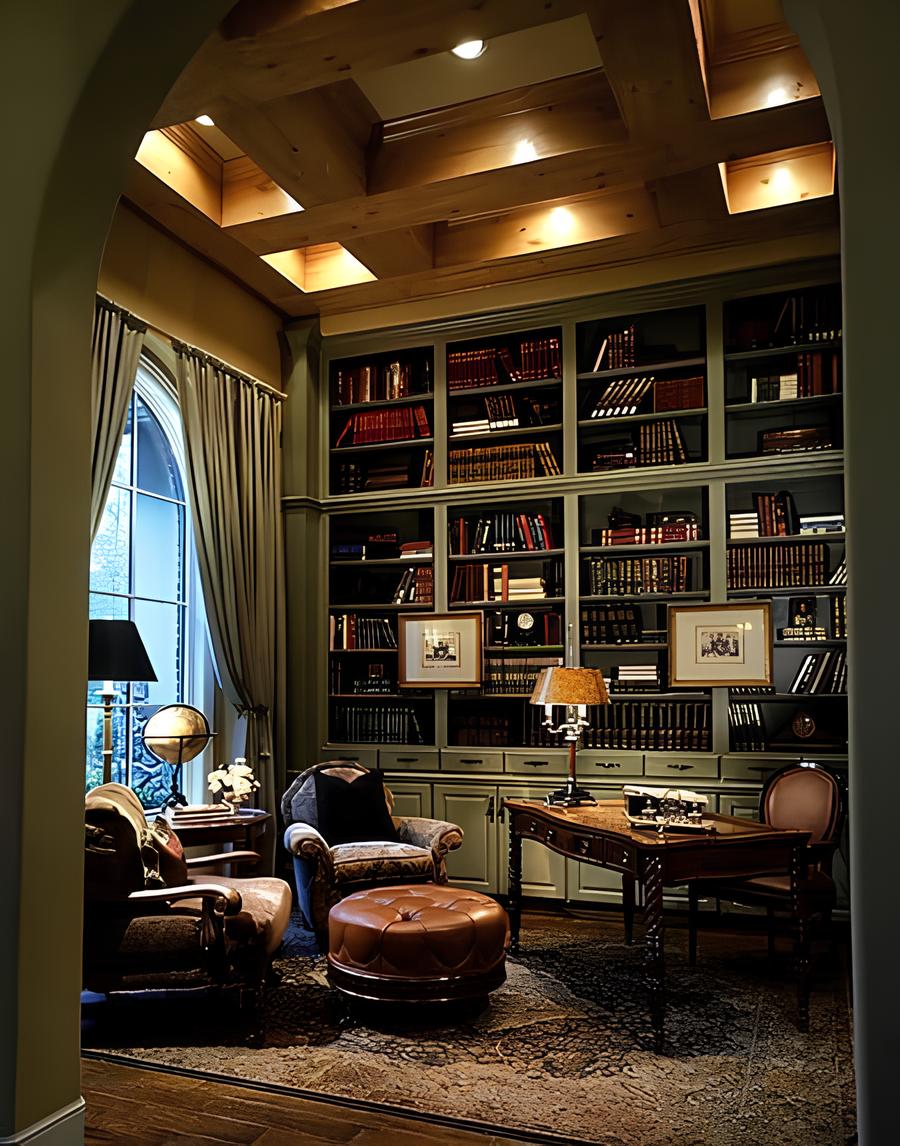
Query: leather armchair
[(151, 924), (325, 874)]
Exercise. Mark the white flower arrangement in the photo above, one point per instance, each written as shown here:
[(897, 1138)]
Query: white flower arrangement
[(235, 781)]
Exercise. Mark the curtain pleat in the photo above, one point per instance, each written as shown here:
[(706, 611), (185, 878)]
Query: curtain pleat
[(232, 436), (116, 345)]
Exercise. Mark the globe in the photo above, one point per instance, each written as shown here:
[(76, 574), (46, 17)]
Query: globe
[(176, 733)]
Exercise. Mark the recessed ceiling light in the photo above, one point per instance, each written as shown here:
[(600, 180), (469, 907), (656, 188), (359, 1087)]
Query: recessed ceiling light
[(469, 49), (781, 178), (562, 221), (776, 96), (206, 120), (525, 151)]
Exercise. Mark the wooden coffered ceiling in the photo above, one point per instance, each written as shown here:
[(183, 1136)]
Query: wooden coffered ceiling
[(354, 162)]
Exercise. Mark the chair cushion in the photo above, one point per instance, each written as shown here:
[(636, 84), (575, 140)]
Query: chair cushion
[(121, 855), (417, 932), (806, 799), (353, 811), (381, 861), (264, 915)]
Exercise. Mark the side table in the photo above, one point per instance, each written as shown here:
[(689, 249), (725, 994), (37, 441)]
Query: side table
[(241, 831)]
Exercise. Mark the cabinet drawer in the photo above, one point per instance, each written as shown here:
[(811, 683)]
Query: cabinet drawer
[(368, 757), (411, 760), (470, 760), (536, 762), (681, 769), (597, 765)]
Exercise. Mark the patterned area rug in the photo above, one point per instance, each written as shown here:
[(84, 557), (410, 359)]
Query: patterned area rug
[(565, 1049)]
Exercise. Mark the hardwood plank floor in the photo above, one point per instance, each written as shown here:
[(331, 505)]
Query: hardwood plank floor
[(127, 1104)]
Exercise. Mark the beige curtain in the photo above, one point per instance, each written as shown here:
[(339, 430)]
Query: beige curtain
[(232, 437), (116, 346)]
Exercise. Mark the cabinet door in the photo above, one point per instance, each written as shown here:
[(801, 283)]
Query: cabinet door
[(411, 799), (474, 808), (744, 805), (543, 870)]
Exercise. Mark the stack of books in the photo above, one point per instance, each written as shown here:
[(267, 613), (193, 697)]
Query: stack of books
[(617, 624), (503, 463), (617, 575), (748, 733), (392, 424), (821, 673), (743, 525), (416, 585), (618, 349), (633, 678)]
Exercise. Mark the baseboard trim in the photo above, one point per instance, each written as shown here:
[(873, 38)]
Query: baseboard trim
[(64, 1127)]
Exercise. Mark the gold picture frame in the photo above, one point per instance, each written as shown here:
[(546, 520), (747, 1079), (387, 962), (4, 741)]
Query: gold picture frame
[(439, 650), (720, 645)]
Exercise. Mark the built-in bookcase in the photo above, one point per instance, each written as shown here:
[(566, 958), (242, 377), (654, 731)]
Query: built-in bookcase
[(620, 462)]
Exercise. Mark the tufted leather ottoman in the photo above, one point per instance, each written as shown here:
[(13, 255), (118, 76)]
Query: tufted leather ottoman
[(417, 943)]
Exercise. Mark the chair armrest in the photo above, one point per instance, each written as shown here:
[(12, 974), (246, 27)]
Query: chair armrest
[(304, 840), (221, 858), (205, 891), (437, 835)]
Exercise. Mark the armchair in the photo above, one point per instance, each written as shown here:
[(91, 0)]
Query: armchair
[(325, 874), (152, 925)]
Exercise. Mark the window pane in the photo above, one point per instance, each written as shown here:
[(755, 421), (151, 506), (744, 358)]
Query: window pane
[(157, 470), (158, 545), (94, 774), (160, 627), (151, 779), (122, 472), (110, 551)]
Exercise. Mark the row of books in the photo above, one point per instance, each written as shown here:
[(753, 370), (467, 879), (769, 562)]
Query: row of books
[(503, 463), (538, 358), (617, 349), (839, 616), (514, 676), (392, 424), (486, 582), (375, 724), (374, 383), (353, 631), (668, 726), (658, 443), (480, 729), (383, 543), (625, 396), (614, 624), (500, 413), (343, 680), (627, 575), (501, 533), (748, 733), (415, 585), (777, 566), (796, 440), (667, 533), (817, 373), (531, 629), (354, 477), (821, 673)]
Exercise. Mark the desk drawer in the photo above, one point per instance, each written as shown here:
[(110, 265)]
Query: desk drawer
[(680, 769), (596, 765), (536, 762), (409, 760), (471, 760), (621, 857)]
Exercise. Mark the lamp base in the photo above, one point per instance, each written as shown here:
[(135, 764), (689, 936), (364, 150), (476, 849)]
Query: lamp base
[(571, 796), (175, 800)]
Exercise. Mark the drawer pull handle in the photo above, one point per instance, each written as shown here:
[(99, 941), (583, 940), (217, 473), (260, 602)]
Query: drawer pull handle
[(471, 761), (407, 759), (607, 764), (584, 846), (624, 857), (536, 763), (680, 767), (551, 835), (490, 810)]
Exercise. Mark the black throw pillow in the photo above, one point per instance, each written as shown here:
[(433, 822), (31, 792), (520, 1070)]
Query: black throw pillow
[(355, 812)]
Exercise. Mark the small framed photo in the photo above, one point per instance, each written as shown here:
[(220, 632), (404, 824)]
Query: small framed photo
[(439, 650), (720, 644)]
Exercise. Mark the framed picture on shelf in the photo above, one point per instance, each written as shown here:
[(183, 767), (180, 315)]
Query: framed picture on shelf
[(720, 644), (440, 650)]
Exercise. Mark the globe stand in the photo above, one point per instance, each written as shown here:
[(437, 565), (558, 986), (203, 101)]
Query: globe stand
[(174, 735)]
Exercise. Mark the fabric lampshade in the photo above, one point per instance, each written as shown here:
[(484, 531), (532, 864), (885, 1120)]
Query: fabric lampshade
[(567, 686), (116, 652)]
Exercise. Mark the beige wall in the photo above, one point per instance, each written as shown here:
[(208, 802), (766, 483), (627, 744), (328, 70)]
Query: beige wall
[(160, 280)]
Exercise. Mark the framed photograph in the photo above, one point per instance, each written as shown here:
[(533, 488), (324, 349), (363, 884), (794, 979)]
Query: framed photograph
[(720, 644), (439, 650)]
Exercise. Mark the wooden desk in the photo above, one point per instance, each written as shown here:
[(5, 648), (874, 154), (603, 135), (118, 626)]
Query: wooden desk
[(241, 830), (601, 835)]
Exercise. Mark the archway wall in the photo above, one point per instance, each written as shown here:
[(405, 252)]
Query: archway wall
[(80, 84), (853, 50)]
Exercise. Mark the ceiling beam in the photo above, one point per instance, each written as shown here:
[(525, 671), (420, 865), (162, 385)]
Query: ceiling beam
[(324, 46), (608, 168)]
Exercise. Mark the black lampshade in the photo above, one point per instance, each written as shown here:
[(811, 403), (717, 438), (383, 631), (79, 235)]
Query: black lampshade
[(116, 652)]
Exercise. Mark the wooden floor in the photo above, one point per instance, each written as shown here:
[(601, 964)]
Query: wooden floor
[(128, 1105)]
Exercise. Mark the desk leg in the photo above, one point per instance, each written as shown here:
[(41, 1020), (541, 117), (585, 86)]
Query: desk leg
[(628, 907), (515, 888), (801, 944), (655, 963)]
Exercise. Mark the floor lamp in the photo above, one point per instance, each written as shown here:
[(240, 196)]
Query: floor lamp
[(574, 689), (115, 652)]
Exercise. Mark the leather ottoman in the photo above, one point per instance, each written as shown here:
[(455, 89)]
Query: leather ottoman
[(417, 943)]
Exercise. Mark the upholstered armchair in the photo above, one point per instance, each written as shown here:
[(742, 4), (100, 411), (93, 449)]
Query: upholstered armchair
[(326, 873), (150, 924)]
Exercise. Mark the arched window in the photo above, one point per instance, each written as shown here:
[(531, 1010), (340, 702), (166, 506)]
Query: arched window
[(143, 569)]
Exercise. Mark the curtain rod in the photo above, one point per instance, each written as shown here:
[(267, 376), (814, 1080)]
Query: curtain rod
[(171, 339)]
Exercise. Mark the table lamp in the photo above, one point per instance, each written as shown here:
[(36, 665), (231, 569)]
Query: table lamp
[(176, 733), (575, 689), (115, 652)]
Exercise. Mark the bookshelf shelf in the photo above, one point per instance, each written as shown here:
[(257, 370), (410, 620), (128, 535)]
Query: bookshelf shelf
[(625, 645), (522, 650), (510, 555), (692, 595), (511, 432), (379, 606), (790, 591), (352, 652), (779, 351), (358, 562), (381, 403), (369, 447), (647, 548), (780, 404), (530, 602), (501, 388), (825, 643), (641, 368), (834, 538), (628, 419), (791, 697)]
